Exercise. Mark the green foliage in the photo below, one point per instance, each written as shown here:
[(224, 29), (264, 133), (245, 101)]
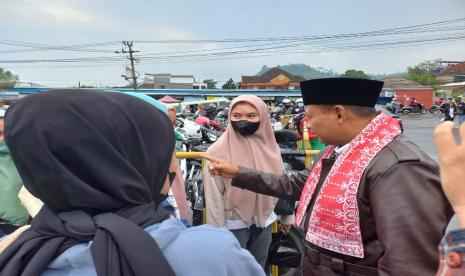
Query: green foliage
[(7, 79), (352, 73), (229, 84), (423, 73), (457, 96), (211, 84), (303, 70)]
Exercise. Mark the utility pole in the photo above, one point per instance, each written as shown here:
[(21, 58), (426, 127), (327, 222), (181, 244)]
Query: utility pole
[(130, 51)]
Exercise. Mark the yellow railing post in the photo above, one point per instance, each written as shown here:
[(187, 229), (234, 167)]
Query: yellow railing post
[(274, 268), (285, 119), (306, 138), (308, 157), (204, 219)]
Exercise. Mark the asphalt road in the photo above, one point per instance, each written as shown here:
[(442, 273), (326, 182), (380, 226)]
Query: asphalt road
[(419, 128)]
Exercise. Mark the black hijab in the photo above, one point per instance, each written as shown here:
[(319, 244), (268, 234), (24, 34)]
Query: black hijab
[(98, 161)]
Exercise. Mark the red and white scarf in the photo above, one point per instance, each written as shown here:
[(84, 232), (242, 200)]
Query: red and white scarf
[(334, 223)]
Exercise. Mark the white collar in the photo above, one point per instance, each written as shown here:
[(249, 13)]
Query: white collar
[(339, 149)]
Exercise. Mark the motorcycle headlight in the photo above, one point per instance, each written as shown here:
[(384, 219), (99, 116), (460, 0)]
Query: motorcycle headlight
[(211, 137)]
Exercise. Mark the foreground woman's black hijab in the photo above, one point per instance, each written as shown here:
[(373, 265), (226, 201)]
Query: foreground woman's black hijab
[(98, 161)]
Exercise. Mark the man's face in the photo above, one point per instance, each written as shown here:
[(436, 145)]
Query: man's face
[(324, 123), (1, 130)]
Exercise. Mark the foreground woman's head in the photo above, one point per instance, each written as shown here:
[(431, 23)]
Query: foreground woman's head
[(94, 151)]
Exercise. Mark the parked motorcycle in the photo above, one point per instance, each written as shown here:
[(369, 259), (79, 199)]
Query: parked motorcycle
[(197, 139), (436, 110), (275, 117), (194, 187), (418, 108)]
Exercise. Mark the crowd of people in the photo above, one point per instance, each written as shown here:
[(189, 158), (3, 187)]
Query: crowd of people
[(103, 192), (454, 110)]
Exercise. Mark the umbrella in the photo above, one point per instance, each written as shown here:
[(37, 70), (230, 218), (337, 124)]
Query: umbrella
[(168, 99)]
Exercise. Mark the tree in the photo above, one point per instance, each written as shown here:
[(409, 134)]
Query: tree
[(7, 79), (424, 73), (211, 84), (229, 84), (357, 74)]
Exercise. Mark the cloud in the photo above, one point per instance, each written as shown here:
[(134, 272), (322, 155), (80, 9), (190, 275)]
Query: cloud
[(66, 14), (167, 32), (50, 14)]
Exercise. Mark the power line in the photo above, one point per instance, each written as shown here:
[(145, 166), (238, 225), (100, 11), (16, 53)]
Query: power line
[(274, 48), (438, 32), (318, 50), (36, 47), (85, 47)]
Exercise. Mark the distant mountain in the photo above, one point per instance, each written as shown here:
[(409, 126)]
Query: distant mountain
[(309, 72), (382, 76), (303, 70)]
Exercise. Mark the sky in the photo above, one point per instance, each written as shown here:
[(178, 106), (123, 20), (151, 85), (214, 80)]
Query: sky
[(73, 22)]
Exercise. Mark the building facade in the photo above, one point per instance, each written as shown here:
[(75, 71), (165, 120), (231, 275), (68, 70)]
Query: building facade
[(404, 90), (275, 79), (455, 73), (169, 81)]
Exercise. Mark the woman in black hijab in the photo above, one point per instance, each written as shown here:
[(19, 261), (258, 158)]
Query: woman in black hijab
[(90, 157)]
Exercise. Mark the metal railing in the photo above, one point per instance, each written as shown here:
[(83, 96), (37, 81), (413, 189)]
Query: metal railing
[(307, 153)]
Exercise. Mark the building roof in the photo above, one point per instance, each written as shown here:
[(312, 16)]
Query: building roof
[(146, 86), (458, 68), (270, 75), (182, 76), (170, 75), (402, 83)]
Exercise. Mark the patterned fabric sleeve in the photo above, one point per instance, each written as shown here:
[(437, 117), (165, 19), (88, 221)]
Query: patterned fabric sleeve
[(452, 254)]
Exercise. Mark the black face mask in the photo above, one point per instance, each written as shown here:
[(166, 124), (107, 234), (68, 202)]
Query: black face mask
[(172, 176), (245, 127)]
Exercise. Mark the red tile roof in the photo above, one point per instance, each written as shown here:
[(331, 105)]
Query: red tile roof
[(401, 83), (458, 68)]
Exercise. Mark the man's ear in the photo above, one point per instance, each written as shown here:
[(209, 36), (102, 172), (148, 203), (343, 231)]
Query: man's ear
[(341, 113)]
